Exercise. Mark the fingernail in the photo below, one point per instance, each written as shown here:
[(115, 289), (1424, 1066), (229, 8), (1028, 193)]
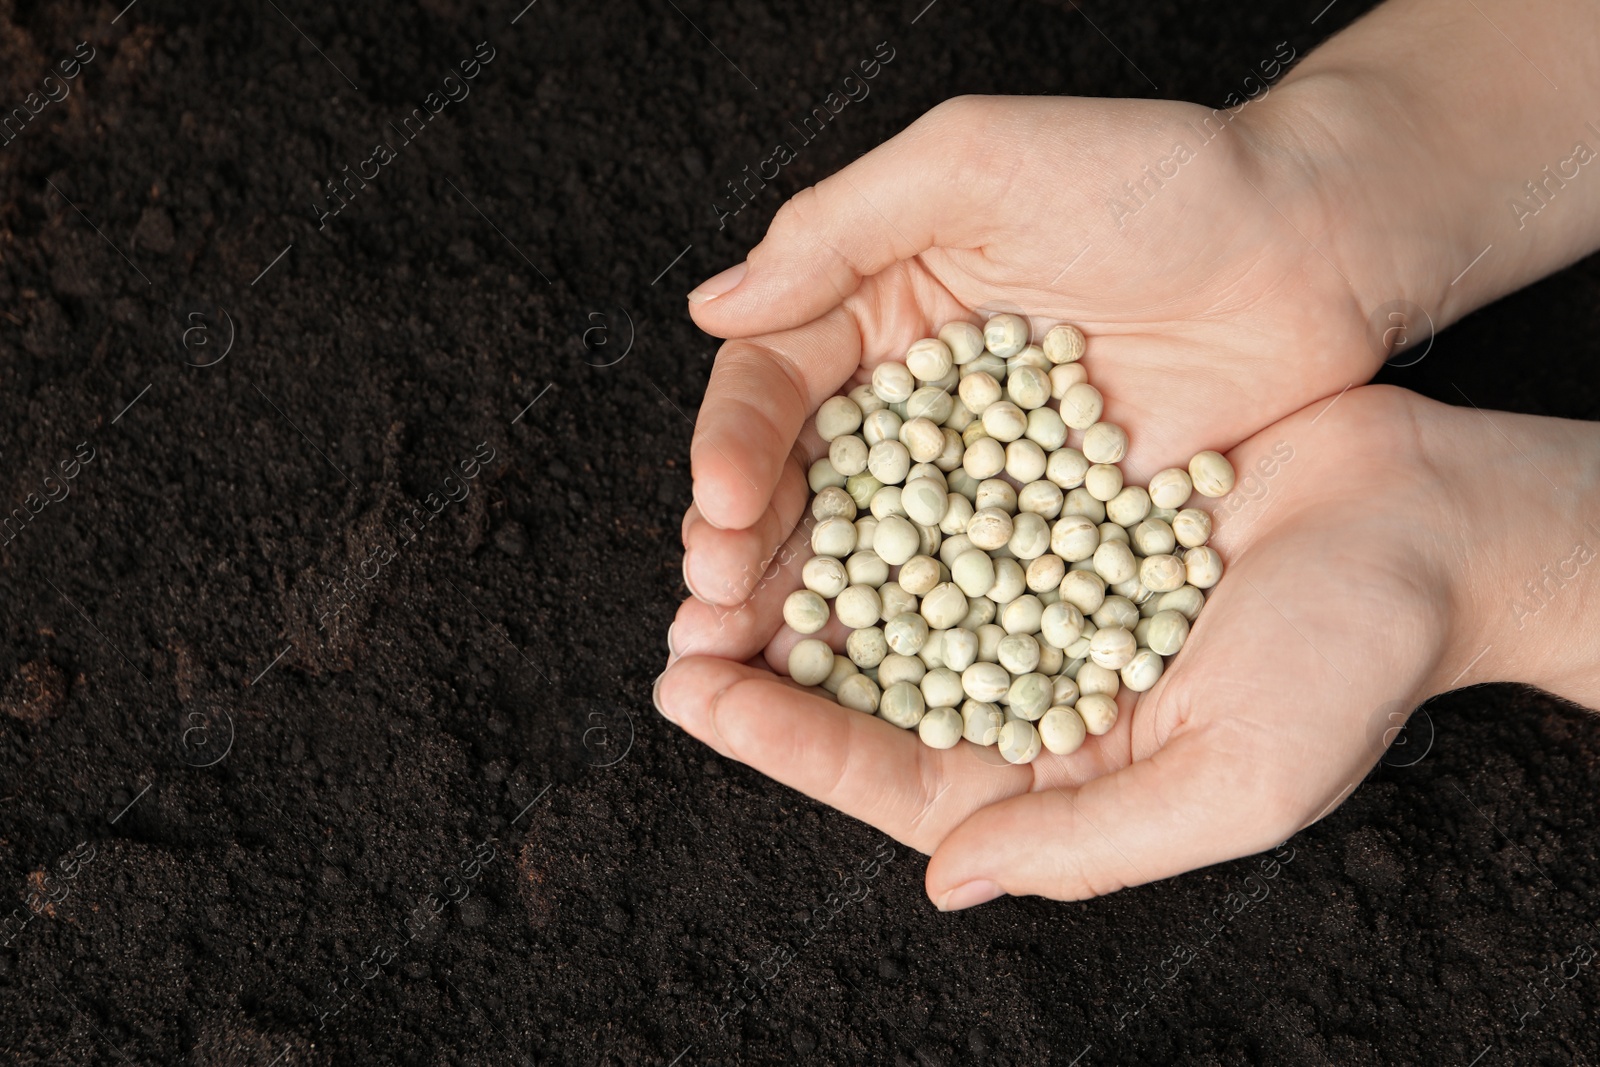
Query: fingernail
[(672, 647), (687, 584), (716, 286), (655, 698), (969, 895)]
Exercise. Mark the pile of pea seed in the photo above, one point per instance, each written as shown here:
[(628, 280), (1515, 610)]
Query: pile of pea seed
[(998, 583)]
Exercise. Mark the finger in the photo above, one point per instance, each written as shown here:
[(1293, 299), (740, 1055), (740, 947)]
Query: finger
[(1188, 805), (760, 395), (857, 763), (743, 630), (720, 566), (915, 191)]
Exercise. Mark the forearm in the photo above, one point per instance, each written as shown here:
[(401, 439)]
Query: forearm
[(1458, 143)]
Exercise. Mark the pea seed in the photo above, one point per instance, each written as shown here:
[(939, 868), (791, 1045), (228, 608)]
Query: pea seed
[(833, 502), (858, 606), (859, 693), (1110, 531), (866, 647), (996, 493), (989, 637), (928, 539), (1084, 590), (838, 415), (1081, 406), (1029, 696), (1143, 671), (1004, 421), (1080, 501), (1099, 713), (1129, 507), (1113, 647), (989, 529), (1113, 560), (896, 601), (1164, 573), (1064, 344), (980, 612), (932, 653), (805, 612), (896, 540), (944, 606), (932, 403), (1019, 742), (1192, 527), (1061, 731), (1186, 601), (822, 475), (1043, 573), (1009, 581), (960, 416), (893, 382), (981, 722), (1105, 442), (925, 501), (897, 668), (1103, 481), (1023, 615), (1005, 334), (810, 662), (1030, 356), (984, 458), (1168, 630), (942, 688), (902, 705), (1153, 537), (848, 454), (824, 576), (1203, 567), (1063, 378), (862, 488), (964, 340), (1065, 691), (1095, 680), (1028, 387), (1061, 624), (842, 669), (957, 513), (985, 681), (1116, 611), (1046, 429), (987, 363), (833, 537), (1170, 488), (978, 391), (963, 483), (960, 648), (923, 440), (1041, 498), (1066, 468), (952, 453), (866, 530), (940, 727), (866, 567), (929, 359), (889, 462), (883, 425), (1211, 474), (1018, 653)]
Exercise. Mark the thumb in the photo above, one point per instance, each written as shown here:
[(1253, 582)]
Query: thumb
[(893, 203), (1189, 805)]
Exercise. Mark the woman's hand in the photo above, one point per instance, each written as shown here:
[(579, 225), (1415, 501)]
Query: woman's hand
[(1185, 242), (1378, 545)]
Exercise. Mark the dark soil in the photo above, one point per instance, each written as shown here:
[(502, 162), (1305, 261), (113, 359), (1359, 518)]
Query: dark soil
[(292, 775)]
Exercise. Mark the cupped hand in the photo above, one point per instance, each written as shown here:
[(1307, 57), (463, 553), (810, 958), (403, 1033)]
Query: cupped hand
[(1366, 571), (1188, 244)]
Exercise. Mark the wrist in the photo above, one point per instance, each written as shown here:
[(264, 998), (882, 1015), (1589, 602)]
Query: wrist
[(1525, 516), (1344, 150)]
